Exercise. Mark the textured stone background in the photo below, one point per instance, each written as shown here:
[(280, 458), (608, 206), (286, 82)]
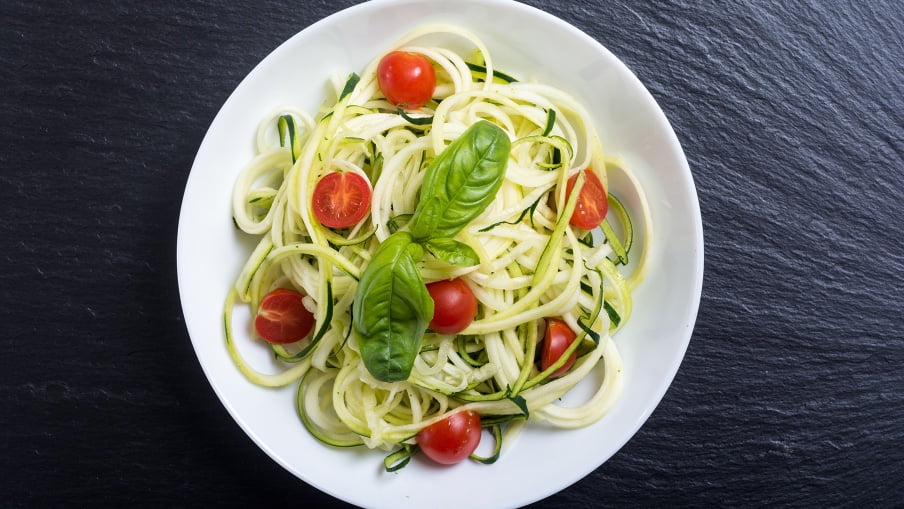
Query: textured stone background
[(791, 114)]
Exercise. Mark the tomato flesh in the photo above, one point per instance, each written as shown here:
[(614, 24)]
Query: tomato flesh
[(454, 306), (592, 204), (341, 199), (452, 439), (282, 318), (558, 338), (406, 79)]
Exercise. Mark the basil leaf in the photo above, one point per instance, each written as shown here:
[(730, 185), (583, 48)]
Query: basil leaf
[(461, 182), (426, 218), (392, 309), (452, 252)]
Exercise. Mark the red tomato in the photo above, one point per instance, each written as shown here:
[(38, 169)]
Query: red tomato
[(341, 199), (592, 204), (282, 317), (559, 337), (452, 439), (454, 306), (406, 79)]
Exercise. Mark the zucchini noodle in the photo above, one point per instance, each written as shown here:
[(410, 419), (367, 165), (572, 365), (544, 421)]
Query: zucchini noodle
[(533, 265)]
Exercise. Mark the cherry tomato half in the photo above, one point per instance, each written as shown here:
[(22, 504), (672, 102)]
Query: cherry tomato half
[(454, 306), (452, 439), (406, 79), (341, 199), (282, 317), (558, 338), (592, 204)]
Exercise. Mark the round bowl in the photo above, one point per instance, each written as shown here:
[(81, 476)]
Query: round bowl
[(528, 43)]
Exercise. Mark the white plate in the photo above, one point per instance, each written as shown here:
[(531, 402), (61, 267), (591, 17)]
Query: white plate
[(528, 43)]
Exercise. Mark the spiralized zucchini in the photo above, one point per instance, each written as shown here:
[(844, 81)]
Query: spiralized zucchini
[(533, 264)]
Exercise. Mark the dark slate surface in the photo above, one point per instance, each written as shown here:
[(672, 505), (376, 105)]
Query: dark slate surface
[(792, 117)]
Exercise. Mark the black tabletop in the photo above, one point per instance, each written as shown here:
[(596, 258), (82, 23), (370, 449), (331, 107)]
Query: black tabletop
[(791, 114)]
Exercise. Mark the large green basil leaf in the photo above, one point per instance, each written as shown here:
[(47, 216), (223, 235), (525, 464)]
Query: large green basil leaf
[(392, 309), (461, 182)]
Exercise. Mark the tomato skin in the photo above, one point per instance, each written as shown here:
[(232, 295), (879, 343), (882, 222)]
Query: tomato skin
[(341, 199), (282, 318), (452, 439), (558, 338), (406, 79), (592, 204), (454, 306)]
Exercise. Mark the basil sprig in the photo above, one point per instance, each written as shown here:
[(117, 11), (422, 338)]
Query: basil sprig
[(392, 305)]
